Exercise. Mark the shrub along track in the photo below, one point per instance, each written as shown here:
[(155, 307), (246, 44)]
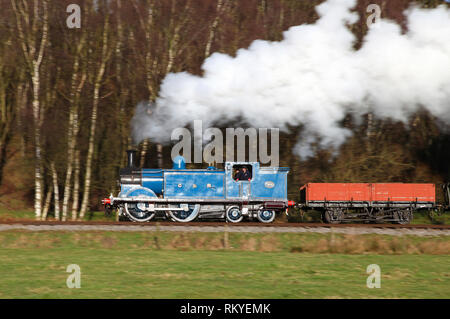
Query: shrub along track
[(245, 227)]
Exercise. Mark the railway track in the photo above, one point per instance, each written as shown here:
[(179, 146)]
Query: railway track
[(218, 224), (214, 226)]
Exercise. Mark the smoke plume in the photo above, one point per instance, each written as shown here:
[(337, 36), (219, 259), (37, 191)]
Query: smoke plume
[(314, 77)]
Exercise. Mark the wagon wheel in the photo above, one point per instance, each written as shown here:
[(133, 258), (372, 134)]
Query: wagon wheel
[(184, 216), (234, 214), (266, 216), (138, 211), (377, 216), (403, 217), (332, 216)]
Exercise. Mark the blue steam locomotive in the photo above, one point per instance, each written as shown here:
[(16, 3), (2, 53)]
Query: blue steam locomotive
[(183, 195)]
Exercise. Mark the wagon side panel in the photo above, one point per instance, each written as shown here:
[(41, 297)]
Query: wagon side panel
[(404, 193), (338, 192)]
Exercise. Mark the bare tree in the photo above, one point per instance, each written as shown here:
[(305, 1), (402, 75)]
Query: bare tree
[(147, 25), (8, 110), (77, 83), (48, 199), (76, 185), (55, 190), (32, 27), (23, 87), (123, 89), (155, 70), (104, 57), (212, 30)]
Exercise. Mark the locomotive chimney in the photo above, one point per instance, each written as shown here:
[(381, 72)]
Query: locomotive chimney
[(131, 158)]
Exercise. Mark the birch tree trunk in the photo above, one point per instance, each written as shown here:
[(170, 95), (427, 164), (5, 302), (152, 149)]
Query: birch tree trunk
[(174, 38), (213, 27), (76, 185), (77, 83), (98, 80), (33, 51), (38, 155), (55, 190), (150, 63), (262, 8), (67, 188), (281, 18), (48, 199), (21, 103), (124, 86), (172, 53), (73, 128)]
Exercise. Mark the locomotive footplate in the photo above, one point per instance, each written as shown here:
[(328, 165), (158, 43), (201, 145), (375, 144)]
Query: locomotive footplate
[(119, 200)]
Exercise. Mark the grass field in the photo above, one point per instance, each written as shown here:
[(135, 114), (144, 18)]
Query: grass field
[(172, 265)]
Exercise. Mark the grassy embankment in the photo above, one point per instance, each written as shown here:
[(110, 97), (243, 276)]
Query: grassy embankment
[(221, 265)]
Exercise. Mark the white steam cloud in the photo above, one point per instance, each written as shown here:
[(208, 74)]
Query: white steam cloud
[(315, 77)]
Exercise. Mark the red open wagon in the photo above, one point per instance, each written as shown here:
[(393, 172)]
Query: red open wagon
[(368, 201)]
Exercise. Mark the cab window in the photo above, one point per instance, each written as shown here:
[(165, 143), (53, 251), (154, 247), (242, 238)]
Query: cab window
[(242, 172)]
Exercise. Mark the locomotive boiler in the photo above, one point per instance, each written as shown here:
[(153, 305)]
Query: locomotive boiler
[(183, 194)]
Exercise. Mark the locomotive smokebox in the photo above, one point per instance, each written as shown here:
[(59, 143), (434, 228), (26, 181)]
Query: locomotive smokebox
[(132, 155)]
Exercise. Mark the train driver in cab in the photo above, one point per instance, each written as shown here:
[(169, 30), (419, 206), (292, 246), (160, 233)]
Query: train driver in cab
[(243, 175)]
